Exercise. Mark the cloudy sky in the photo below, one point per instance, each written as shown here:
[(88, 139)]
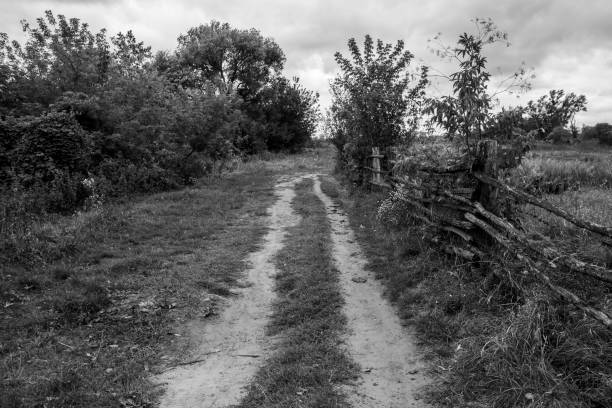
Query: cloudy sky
[(567, 42)]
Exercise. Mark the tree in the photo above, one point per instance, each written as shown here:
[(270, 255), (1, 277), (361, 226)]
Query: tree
[(553, 110), (59, 55), (505, 125), (371, 97), (129, 56), (467, 112), (234, 60), (289, 113)]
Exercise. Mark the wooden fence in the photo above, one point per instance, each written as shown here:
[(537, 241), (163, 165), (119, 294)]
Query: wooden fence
[(469, 203)]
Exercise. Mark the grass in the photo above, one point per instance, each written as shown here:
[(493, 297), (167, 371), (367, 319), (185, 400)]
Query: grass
[(489, 343), (94, 303), (554, 170), (310, 363)]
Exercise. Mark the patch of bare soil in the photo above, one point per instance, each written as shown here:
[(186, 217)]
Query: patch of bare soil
[(392, 373), (234, 346)]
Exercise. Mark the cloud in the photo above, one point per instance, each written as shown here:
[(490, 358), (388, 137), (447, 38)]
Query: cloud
[(564, 40)]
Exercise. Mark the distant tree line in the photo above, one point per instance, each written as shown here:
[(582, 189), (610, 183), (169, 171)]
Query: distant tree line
[(82, 113)]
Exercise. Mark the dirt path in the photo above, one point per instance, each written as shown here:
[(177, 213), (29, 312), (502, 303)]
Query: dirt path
[(235, 345), (386, 352)]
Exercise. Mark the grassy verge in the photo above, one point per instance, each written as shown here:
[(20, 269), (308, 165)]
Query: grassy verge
[(489, 344), (308, 320), (92, 304)]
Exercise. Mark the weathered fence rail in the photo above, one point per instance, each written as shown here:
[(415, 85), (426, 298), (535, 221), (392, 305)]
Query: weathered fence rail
[(477, 212)]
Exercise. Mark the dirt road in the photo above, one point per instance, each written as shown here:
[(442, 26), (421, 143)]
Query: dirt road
[(235, 345)]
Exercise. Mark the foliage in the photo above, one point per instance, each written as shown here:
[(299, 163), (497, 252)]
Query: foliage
[(601, 131), (76, 105), (47, 145), (373, 103), (60, 55), (553, 110), (466, 113), (234, 60), (505, 125), (560, 135), (130, 56), (289, 112)]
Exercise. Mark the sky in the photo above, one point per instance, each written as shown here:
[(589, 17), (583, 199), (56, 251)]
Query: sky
[(568, 43)]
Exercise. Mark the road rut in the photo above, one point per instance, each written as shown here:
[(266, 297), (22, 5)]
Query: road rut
[(235, 345), (392, 373)]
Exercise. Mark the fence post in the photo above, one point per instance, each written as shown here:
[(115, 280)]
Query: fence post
[(376, 171), (486, 162)]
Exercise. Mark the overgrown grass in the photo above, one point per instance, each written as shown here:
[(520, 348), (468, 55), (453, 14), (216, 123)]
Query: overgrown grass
[(558, 170), (493, 342), (589, 203), (308, 320), (91, 304)]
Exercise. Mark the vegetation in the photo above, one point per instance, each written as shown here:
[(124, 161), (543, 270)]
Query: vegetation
[(92, 303), (89, 321), (601, 132), (92, 284), (495, 335), (371, 98), (492, 341), (309, 365), (91, 115)]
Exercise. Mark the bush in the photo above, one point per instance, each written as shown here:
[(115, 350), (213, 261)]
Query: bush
[(51, 142), (560, 135)]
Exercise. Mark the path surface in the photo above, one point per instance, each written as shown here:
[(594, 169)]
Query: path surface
[(386, 352), (235, 345)]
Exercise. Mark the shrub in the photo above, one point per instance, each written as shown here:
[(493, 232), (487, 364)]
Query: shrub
[(54, 141), (560, 135)]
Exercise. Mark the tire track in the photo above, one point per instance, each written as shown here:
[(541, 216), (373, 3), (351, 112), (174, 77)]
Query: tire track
[(392, 373)]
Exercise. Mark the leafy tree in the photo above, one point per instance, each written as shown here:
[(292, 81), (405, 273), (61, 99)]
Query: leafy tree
[(371, 97), (59, 55), (467, 112), (130, 56), (289, 114), (212, 126), (553, 110), (234, 60)]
